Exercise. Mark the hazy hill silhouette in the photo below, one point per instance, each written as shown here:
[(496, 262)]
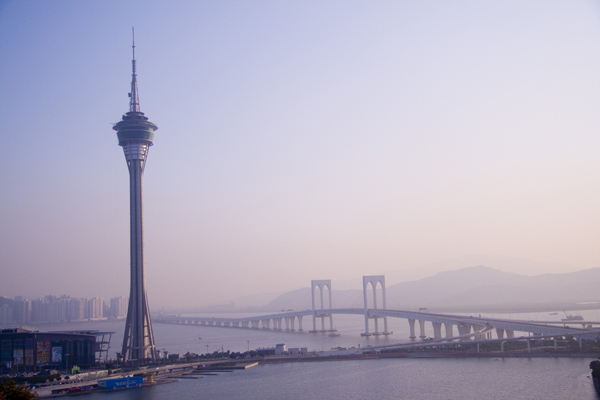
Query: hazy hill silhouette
[(472, 288)]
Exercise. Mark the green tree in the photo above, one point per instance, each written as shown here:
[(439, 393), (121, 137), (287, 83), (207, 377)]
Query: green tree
[(10, 391)]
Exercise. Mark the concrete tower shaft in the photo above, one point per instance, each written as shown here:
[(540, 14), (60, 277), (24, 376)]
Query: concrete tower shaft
[(135, 134)]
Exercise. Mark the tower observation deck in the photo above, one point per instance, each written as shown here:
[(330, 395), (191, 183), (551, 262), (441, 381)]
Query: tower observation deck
[(135, 133)]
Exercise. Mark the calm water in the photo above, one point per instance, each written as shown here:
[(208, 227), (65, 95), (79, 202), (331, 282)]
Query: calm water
[(386, 379), (556, 378)]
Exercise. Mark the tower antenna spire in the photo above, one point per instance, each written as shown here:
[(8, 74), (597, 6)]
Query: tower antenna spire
[(134, 100)]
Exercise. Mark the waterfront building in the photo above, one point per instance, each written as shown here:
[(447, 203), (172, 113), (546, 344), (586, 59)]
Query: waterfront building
[(95, 308), (118, 307), (56, 308), (23, 311), (278, 350), (24, 350), (6, 314), (76, 309), (136, 133), (37, 311), (52, 309)]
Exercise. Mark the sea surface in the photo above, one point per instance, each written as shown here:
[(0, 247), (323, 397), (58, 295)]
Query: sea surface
[(401, 378), (464, 379)]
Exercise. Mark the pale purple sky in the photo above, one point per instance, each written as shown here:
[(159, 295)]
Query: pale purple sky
[(297, 140)]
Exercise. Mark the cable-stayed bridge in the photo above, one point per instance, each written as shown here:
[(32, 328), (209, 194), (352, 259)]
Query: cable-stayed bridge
[(446, 327)]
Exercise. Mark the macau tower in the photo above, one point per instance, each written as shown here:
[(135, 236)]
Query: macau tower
[(135, 134)]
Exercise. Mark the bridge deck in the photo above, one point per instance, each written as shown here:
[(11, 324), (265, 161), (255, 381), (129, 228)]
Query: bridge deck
[(485, 324)]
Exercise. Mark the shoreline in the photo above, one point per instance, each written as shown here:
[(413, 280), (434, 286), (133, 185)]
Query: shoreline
[(197, 370)]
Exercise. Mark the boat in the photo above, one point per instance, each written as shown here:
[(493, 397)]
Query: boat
[(553, 313), (570, 317), (334, 334)]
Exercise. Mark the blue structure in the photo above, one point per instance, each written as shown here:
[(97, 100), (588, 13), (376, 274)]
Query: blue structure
[(121, 383)]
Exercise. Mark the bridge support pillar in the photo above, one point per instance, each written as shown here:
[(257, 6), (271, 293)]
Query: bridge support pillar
[(510, 333), (321, 284), (500, 333), (254, 324), (323, 329), (437, 330), (411, 325), (374, 281), (287, 323), (422, 330), (449, 332), (464, 329), (300, 323)]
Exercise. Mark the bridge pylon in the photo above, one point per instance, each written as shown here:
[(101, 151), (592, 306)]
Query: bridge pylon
[(374, 281), (321, 285)]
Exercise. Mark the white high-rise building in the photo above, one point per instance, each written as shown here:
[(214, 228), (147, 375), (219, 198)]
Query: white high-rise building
[(118, 307), (95, 307), (76, 310)]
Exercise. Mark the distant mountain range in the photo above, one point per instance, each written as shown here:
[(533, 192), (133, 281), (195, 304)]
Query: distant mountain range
[(471, 289)]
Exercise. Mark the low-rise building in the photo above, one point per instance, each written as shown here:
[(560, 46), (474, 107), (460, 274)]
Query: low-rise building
[(24, 350)]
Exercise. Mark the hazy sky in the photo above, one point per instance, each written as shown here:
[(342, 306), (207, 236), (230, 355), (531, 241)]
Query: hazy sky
[(297, 140)]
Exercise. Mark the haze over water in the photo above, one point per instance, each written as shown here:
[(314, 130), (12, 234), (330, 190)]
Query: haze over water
[(412, 379)]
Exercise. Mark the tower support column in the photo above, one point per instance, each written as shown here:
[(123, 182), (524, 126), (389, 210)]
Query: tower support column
[(138, 340)]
